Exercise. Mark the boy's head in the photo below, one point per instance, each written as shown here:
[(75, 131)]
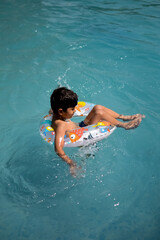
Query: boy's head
[(63, 98)]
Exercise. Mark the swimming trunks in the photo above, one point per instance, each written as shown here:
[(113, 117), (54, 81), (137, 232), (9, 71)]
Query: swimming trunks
[(82, 124)]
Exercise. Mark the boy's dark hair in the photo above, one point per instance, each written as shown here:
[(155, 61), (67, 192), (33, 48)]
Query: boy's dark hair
[(63, 98)]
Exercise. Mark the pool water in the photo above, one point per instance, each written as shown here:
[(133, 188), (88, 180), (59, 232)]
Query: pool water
[(108, 52)]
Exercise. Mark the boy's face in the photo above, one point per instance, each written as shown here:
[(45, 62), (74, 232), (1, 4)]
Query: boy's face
[(69, 113)]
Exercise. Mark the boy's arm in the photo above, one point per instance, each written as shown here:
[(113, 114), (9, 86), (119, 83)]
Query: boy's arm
[(50, 111), (59, 143)]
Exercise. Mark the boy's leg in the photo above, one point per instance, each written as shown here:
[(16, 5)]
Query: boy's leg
[(117, 115), (99, 113), (130, 117)]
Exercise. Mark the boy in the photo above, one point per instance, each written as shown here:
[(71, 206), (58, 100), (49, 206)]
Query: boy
[(63, 102)]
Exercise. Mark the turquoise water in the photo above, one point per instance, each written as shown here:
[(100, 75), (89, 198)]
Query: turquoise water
[(108, 52)]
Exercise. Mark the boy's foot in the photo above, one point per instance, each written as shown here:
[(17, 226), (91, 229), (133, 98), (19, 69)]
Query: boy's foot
[(131, 117), (133, 124)]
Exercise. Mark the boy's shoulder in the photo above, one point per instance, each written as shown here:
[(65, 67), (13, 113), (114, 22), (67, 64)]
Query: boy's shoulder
[(59, 124), (63, 126)]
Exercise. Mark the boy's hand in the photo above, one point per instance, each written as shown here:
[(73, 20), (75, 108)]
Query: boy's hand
[(74, 171)]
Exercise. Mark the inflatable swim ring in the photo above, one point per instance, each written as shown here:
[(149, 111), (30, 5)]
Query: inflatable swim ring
[(79, 136)]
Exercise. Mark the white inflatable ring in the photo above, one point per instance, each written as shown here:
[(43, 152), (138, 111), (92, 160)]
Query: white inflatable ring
[(79, 136)]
